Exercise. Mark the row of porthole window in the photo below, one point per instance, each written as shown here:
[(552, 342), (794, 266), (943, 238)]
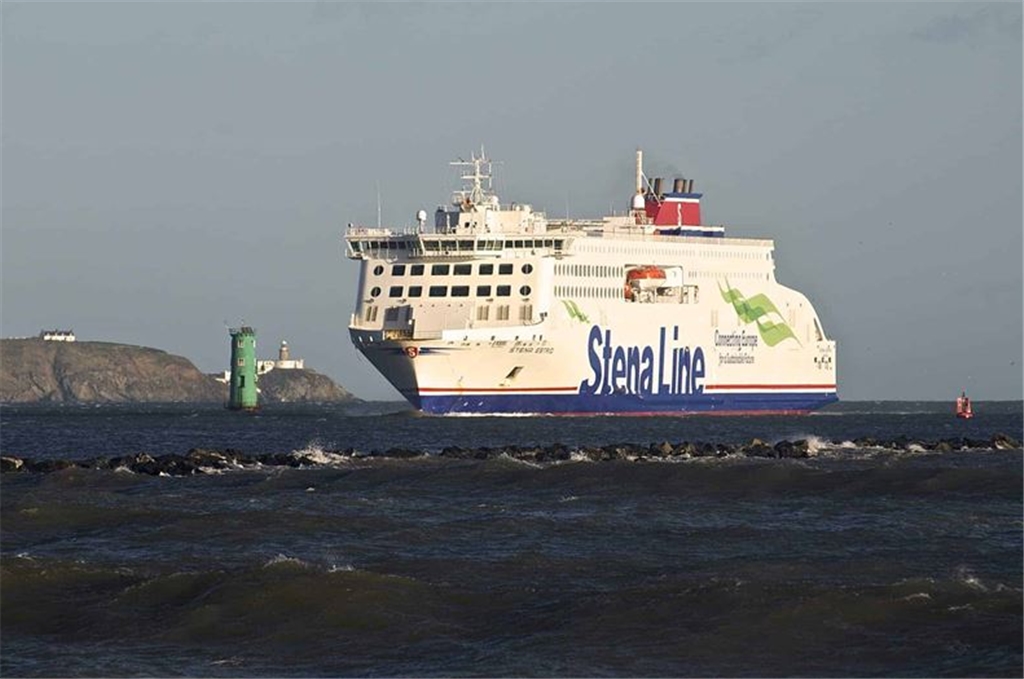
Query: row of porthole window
[(456, 291), (458, 269)]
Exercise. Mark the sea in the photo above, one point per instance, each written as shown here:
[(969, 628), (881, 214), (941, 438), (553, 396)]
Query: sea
[(860, 559)]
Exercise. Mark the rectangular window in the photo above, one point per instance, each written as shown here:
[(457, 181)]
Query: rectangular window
[(486, 269), (398, 270), (241, 381), (241, 362), (519, 243), (505, 269), (504, 290), (526, 312), (482, 312), (417, 270), (395, 291), (415, 290), (439, 270), (460, 291), (463, 269), (483, 291), (438, 290), (503, 312)]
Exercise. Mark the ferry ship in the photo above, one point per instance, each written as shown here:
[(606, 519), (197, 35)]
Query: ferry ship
[(498, 310)]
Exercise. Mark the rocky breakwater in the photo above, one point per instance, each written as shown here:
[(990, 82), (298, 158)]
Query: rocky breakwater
[(200, 461)]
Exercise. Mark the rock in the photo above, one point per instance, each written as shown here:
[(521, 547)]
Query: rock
[(758, 448), (788, 449), (46, 466), (1001, 441), (11, 464), (664, 449), (211, 459)]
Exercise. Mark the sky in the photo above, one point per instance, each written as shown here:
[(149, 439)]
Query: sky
[(173, 168)]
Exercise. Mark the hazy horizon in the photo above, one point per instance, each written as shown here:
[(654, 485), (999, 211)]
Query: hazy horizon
[(172, 169)]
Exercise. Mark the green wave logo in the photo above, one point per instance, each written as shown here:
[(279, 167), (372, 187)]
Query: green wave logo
[(574, 311), (758, 309)]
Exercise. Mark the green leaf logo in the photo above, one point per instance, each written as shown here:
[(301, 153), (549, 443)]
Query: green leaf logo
[(574, 311), (758, 309)]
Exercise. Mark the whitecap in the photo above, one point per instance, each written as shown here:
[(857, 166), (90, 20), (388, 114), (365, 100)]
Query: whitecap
[(343, 568), (285, 559), (314, 452)]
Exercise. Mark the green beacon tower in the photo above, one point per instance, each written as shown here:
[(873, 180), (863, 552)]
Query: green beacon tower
[(243, 369)]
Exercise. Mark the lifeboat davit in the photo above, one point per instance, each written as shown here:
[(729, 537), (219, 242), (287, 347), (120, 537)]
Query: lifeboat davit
[(645, 277)]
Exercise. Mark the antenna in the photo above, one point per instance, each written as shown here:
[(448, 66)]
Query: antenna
[(479, 182), (378, 203)]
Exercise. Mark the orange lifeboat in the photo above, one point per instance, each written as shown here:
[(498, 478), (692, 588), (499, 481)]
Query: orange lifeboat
[(646, 276)]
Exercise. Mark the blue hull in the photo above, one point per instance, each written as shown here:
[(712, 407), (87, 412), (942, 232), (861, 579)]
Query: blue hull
[(625, 404)]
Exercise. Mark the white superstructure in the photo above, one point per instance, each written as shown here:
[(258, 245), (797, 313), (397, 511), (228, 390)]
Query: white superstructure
[(500, 310)]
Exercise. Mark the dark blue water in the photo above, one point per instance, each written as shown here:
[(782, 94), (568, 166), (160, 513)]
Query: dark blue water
[(857, 561)]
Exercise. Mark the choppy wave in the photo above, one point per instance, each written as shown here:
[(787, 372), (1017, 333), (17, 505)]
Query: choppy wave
[(287, 612)]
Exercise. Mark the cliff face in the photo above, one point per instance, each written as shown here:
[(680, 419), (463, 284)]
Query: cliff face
[(299, 386), (33, 370), (36, 371)]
